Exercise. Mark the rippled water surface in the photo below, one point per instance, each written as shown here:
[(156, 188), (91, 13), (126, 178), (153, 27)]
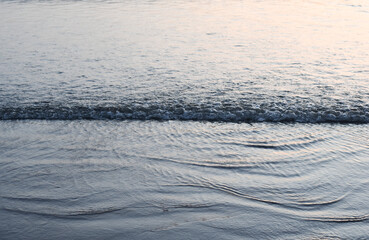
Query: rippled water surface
[(183, 180), (302, 61), (184, 119)]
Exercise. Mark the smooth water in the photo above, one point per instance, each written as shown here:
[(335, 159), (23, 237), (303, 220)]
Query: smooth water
[(211, 119)]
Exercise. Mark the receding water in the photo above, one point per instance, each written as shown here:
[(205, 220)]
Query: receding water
[(184, 119), (183, 180)]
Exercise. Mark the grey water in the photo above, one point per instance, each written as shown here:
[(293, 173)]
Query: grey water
[(184, 119)]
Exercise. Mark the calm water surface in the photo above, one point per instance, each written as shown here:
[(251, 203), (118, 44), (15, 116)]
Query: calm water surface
[(212, 119)]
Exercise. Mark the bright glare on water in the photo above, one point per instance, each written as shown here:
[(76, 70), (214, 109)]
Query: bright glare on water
[(212, 119)]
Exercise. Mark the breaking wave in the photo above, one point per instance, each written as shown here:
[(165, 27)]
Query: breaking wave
[(187, 112)]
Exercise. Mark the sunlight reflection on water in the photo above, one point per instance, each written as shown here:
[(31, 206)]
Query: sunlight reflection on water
[(228, 65)]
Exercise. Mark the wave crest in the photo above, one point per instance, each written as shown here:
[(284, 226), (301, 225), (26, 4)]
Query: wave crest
[(190, 112)]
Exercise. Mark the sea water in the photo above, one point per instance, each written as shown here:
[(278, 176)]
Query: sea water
[(184, 119)]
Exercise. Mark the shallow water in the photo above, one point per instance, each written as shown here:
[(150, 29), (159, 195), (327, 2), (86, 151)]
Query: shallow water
[(182, 180), (248, 61), (212, 119)]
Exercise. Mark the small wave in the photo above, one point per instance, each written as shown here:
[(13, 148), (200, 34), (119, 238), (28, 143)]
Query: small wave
[(228, 165), (39, 199), (81, 212), (50, 213), (266, 145), (340, 219), (165, 112), (237, 193), (65, 199)]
